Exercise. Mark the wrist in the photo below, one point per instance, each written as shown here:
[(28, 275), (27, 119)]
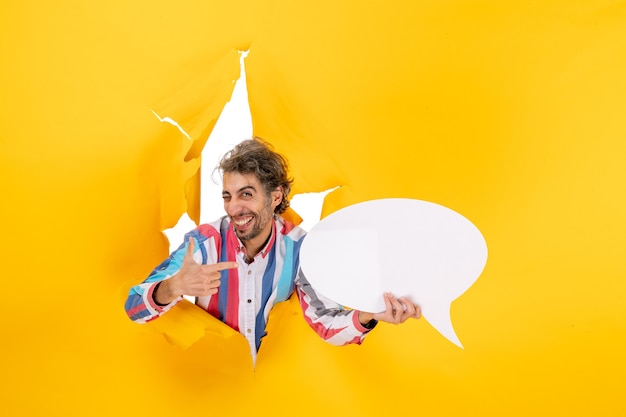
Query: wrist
[(162, 294), (365, 318)]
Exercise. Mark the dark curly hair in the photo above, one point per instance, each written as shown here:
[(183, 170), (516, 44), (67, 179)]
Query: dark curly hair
[(256, 156)]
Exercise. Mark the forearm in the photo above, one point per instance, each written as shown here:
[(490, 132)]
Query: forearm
[(140, 305), (332, 322), (145, 301)]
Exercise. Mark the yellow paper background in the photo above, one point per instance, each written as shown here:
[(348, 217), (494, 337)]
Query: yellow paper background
[(511, 113)]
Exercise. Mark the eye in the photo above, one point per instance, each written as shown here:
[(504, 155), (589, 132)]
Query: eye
[(246, 194), (226, 198)]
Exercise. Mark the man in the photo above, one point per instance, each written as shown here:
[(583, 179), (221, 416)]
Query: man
[(240, 265)]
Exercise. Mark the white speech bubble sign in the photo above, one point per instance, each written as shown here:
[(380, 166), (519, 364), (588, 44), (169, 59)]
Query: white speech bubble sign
[(407, 247)]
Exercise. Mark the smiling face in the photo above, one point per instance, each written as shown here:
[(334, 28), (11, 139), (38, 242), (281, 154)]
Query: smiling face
[(250, 209)]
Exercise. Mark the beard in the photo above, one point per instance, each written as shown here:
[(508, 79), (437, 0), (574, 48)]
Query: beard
[(250, 234), (260, 220)]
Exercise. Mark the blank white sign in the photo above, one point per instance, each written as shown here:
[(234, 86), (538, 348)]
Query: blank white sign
[(408, 247)]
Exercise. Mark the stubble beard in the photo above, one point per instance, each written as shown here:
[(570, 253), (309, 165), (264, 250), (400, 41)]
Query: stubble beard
[(260, 221)]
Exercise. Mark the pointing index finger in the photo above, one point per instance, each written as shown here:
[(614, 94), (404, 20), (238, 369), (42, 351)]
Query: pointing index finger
[(220, 266)]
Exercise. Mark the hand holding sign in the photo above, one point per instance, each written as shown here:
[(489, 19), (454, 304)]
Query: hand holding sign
[(428, 253)]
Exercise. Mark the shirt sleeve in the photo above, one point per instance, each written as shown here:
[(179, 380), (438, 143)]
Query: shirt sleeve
[(331, 321), (140, 305)]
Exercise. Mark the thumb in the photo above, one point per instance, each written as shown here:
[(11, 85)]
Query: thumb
[(191, 247)]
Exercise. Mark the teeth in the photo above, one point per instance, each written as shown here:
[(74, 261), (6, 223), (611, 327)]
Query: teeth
[(243, 222)]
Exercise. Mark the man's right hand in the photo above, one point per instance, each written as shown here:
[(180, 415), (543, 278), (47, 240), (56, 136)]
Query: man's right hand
[(193, 279)]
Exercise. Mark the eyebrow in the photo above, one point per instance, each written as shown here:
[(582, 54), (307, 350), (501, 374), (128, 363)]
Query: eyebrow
[(244, 188)]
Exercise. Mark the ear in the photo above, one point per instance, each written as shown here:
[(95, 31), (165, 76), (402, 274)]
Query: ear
[(277, 196)]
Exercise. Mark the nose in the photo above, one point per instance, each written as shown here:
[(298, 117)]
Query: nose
[(227, 207), (232, 207)]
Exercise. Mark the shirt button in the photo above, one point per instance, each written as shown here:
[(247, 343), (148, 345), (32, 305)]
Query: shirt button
[(249, 301), (249, 330), (249, 272)]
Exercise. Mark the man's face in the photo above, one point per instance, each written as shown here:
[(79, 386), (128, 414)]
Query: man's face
[(250, 209)]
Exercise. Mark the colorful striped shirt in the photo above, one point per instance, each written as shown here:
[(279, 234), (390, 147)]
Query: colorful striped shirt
[(247, 294)]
